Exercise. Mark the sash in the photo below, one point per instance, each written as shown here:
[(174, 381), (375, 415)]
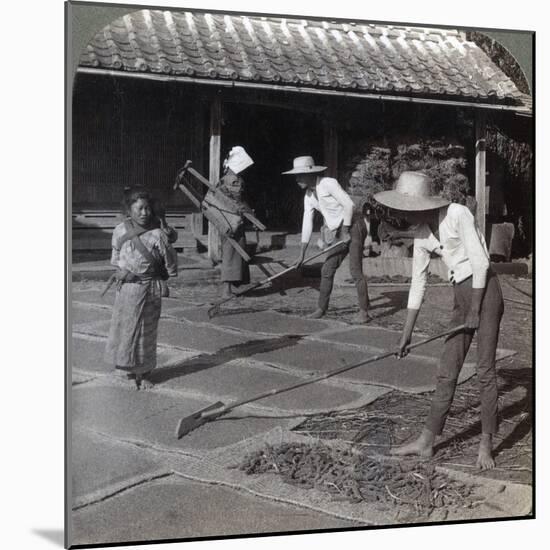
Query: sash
[(133, 233)]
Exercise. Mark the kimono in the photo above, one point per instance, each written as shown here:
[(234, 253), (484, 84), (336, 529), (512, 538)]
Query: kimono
[(234, 269), (132, 343)]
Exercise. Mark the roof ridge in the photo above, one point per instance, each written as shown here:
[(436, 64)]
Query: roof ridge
[(338, 24), (327, 23)]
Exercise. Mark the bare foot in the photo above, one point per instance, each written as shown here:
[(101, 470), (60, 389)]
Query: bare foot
[(317, 314), (485, 460), (143, 383), (228, 290), (147, 384), (422, 446), (362, 317)]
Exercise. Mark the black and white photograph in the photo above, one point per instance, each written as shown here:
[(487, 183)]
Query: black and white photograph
[(300, 265)]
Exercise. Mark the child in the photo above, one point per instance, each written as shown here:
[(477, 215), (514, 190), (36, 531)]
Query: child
[(144, 257)]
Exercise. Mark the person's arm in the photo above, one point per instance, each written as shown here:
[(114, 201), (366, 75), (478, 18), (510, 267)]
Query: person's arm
[(307, 230), (472, 319), (245, 207), (169, 231), (421, 261), (169, 255), (478, 260), (115, 250), (335, 189), (159, 213), (408, 328)]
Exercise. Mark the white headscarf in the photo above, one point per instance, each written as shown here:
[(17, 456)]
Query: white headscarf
[(237, 160)]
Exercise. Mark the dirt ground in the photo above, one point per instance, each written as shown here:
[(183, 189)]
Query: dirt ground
[(397, 416)]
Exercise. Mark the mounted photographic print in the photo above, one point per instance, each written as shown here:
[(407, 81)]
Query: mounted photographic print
[(301, 274)]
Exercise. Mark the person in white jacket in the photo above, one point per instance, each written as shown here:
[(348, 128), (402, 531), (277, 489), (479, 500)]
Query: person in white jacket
[(449, 231), (341, 221)]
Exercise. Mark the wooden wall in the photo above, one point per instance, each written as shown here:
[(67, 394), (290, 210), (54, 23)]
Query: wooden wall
[(133, 132), (129, 131)]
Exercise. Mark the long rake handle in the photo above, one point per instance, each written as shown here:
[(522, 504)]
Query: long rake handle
[(276, 276), (330, 373), (108, 285)]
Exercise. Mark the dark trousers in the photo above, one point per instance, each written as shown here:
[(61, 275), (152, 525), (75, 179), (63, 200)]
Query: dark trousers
[(455, 350), (358, 233)]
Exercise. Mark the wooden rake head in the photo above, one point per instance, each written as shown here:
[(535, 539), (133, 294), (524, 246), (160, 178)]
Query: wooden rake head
[(193, 421)]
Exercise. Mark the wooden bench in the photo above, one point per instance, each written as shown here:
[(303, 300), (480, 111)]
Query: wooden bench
[(92, 229)]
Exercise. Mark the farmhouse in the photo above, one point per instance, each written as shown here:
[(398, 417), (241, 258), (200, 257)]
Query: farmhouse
[(155, 88)]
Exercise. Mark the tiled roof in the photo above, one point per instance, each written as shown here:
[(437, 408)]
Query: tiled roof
[(358, 57)]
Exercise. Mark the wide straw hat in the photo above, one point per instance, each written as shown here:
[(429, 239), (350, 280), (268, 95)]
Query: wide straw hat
[(305, 165), (238, 159), (412, 192)]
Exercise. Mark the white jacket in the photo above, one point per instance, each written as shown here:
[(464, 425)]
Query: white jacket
[(332, 201), (460, 245)]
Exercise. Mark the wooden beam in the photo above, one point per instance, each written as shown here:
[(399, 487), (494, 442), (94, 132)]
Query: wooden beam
[(331, 148), (520, 109), (481, 168), (214, 240), (299, 106)]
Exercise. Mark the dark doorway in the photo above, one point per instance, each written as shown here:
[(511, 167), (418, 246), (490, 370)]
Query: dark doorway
[(273, 137)]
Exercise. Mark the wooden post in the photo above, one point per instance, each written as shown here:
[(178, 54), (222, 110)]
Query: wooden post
[(200, 130), (481, 167), (331, 148), (214, 240)]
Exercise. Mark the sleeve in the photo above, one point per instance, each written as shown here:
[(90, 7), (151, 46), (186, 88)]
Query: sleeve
[(307, 222), (170, 233), (115, 250), (169, 255), (246, 207), (335, 189), (420, 263), (475, 251)]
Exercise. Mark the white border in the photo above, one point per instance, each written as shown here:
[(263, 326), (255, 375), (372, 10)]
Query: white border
[(32, 274)]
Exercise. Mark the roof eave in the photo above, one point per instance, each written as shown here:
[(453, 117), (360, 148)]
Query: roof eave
[(229, 83)]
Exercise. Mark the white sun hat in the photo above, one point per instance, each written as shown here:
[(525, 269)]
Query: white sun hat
[(305, 165), (412, 192)]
